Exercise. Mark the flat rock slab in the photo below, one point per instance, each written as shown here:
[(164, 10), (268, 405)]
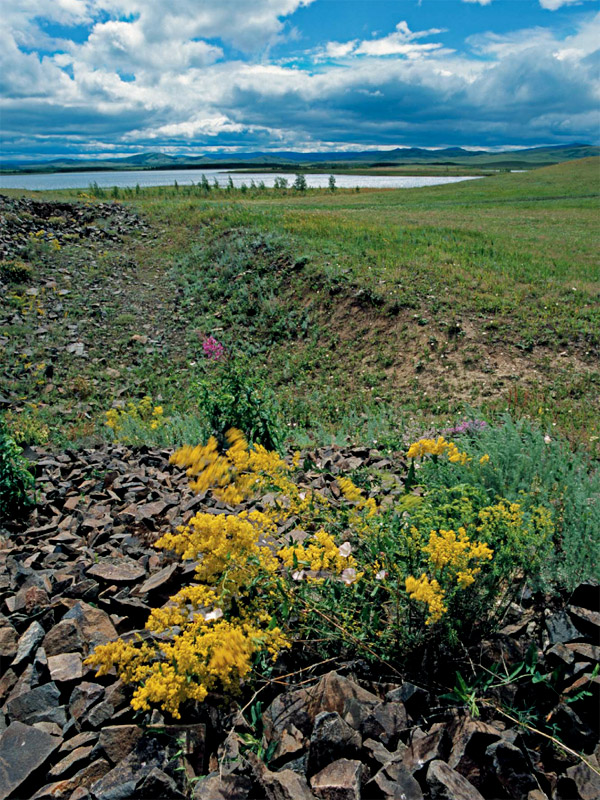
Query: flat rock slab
[(23, 749), (123, 571), (65, 667)]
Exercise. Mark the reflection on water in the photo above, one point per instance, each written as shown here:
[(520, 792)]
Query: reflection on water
[(186, 177)]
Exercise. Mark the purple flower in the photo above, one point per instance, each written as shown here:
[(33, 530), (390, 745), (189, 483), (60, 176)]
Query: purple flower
[(466, 426), (213, 349)]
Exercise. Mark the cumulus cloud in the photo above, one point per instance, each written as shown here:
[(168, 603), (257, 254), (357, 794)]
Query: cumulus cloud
[(553, 5), (402, 41), (178, 75)]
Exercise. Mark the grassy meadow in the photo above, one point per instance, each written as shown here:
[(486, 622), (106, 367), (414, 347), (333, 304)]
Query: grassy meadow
[(367, 315)]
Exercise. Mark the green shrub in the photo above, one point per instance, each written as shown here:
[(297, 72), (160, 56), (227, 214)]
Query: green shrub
[(535, 469), (15, 271), (230, 396), (15, 479)]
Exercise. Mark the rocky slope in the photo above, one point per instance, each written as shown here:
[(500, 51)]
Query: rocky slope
[(82, 570)]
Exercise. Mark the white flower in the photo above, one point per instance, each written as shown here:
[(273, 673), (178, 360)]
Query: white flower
[(381, 575), (348, 576), (216, 613), (298, 575), (547, 439), (345, 549)]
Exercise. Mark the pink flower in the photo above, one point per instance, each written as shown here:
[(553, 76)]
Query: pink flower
[(212, 348), (349, 576)]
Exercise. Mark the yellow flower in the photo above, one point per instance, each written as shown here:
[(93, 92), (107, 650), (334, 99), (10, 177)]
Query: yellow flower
[(429, 592)]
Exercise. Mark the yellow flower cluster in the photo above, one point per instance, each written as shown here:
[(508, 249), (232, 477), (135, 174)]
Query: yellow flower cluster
[(144, 411), (321, 554), (195, 647), (437, 447), (449, 555), (227, 545), (208, 653), (235, 475), (429, 592), (448, 550)]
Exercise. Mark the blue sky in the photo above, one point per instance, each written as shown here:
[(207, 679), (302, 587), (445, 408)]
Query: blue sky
[(117, 77)]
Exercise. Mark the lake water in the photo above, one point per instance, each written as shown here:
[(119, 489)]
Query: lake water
[(185, 177)]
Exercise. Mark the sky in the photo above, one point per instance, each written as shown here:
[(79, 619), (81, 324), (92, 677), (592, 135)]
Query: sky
[(102, 78)]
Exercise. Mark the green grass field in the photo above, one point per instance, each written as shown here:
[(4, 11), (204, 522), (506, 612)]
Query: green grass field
[(367, 313)]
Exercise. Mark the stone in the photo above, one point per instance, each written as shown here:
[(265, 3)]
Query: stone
[(579, 735), (157, 785), (586, 621), (8, 642), (581, 651), (49, 727), (291, 744), (83, 697), (470, 739), (38, 705), (28, 643), (74, 758), (222, 787), (117, 741), (79, 740), (122, 781), (510, 769), (284, 785), (560, 628), (158, 579), (559, 655), (587, 595), (386, 722), (377, 751), (64, 637), (339, 781), (396, 782), (332, 738), (434, 745), (123, 571), (94, 625), (446, 784), (585, 781), (65, 667), (414, 698), (23, 750)]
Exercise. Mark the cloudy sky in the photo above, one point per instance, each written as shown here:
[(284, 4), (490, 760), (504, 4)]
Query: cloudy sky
[(107, 77)]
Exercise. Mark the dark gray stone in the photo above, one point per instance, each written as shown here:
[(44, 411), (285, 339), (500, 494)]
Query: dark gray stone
[(339, 781), (39, 705), (157, 785), (561, 629), (587, 595), (397, 783), (510, 768), (28, 643), (446, 784), (331, 739), (23, 750), (414, 698), (83, 698), (222, 787)]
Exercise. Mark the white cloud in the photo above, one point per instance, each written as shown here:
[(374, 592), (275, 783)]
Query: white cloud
[(400, 42), (154, 81), (553, 5)]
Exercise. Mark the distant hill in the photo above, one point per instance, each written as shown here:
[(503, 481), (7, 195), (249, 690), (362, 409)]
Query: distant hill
[(450, 156)]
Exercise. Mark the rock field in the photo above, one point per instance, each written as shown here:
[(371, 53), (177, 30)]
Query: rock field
[(82, 570)]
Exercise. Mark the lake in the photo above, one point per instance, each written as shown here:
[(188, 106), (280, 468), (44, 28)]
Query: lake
[(185, 177)]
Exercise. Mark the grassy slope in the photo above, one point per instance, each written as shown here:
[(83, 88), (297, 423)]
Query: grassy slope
[(410, 302)]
